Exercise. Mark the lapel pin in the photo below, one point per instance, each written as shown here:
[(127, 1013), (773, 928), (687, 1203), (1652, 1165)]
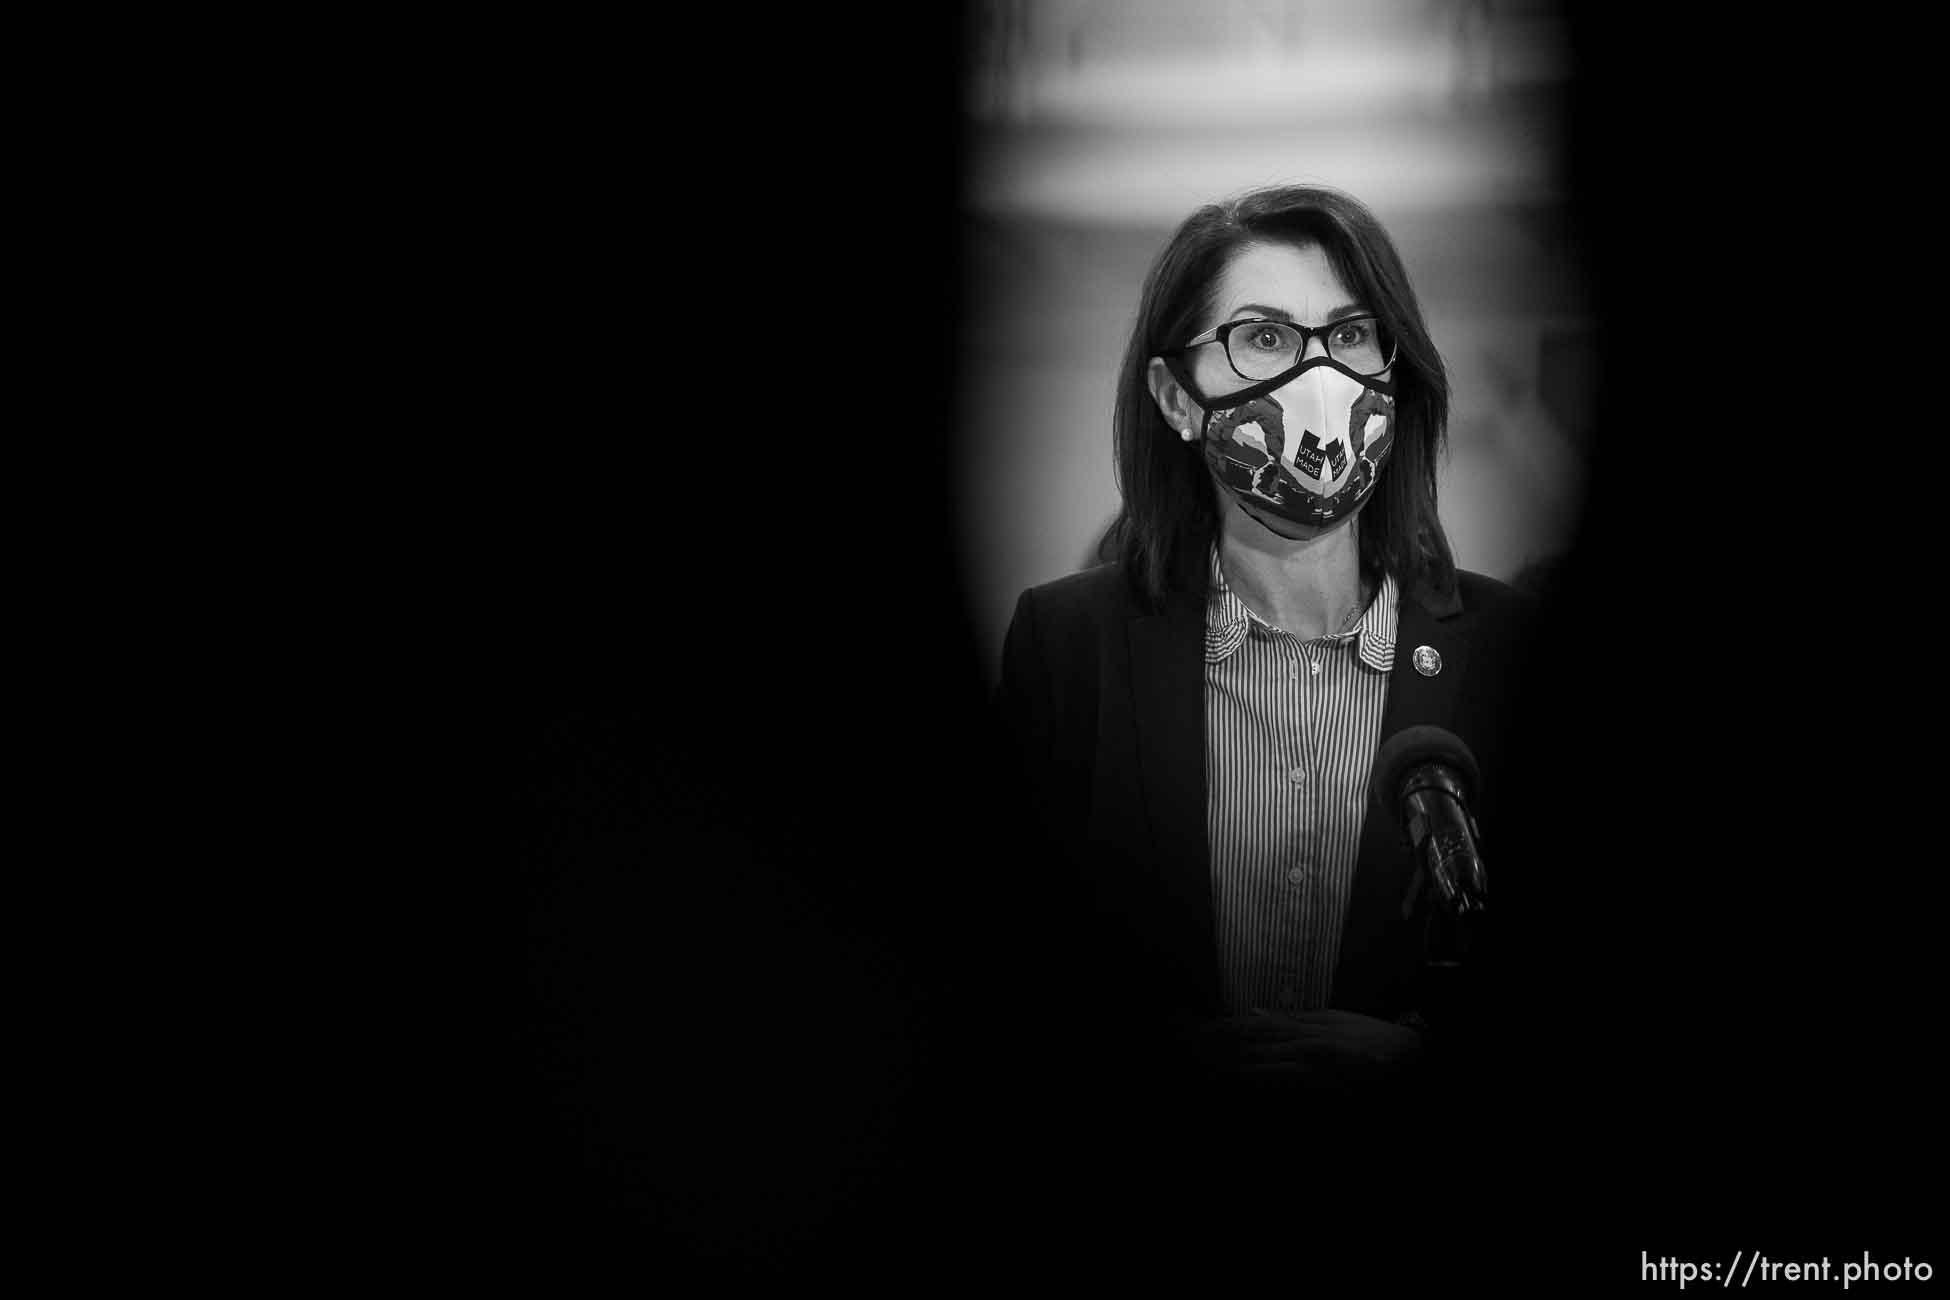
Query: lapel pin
[(1427, 661)]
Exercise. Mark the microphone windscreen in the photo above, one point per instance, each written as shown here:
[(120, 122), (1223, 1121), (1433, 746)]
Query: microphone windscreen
[(1410, 748)]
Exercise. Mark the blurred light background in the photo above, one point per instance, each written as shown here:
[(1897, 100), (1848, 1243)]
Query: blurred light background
[(1095, 126)]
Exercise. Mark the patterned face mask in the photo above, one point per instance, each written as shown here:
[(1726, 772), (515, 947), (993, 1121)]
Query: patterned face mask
[(1306, 446)]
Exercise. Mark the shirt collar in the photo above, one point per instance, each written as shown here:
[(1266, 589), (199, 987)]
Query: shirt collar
[(1228, 622)]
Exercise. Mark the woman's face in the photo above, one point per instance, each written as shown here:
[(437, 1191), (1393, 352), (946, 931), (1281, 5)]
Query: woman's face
[(1281, 282)]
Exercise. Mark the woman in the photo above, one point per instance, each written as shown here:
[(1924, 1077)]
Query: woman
[(1198, 718)]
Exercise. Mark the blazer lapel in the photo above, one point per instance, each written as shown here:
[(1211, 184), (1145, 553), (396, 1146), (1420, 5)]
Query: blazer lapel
[(1369, 962), (1168, 689)]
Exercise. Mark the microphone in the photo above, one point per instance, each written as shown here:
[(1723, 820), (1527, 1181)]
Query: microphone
[(1424, 779)]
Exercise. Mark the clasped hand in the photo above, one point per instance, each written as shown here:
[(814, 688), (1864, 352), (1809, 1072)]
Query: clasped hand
[(1327, 1047)]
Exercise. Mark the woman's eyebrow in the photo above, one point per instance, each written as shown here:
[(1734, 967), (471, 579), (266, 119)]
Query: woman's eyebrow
[(1281, 314)]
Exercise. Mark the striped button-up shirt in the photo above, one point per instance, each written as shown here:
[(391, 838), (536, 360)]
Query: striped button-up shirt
[(1291, 727)]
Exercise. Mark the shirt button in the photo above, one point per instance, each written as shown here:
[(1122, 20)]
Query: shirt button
[(1297, 775), (1289, 999), (1294, 875), (1313, 667)]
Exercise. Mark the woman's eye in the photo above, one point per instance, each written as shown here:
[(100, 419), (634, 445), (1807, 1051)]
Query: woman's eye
[(1265, 338), (1352, 334)]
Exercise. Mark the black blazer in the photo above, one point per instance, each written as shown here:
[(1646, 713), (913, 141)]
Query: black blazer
[(1104, 702)]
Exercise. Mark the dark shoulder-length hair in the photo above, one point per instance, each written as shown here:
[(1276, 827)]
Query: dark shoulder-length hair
[(1170, 515)]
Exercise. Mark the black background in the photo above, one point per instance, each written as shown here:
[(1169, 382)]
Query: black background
[(747, 994)]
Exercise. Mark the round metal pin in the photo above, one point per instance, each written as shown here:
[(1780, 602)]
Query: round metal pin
[(1427, 661)]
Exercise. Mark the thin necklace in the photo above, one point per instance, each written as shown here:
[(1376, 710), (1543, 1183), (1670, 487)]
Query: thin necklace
[(1353, 615), (1360, 607)]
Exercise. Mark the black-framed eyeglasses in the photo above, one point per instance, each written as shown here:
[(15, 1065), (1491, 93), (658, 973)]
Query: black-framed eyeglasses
[(1272, 347)]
